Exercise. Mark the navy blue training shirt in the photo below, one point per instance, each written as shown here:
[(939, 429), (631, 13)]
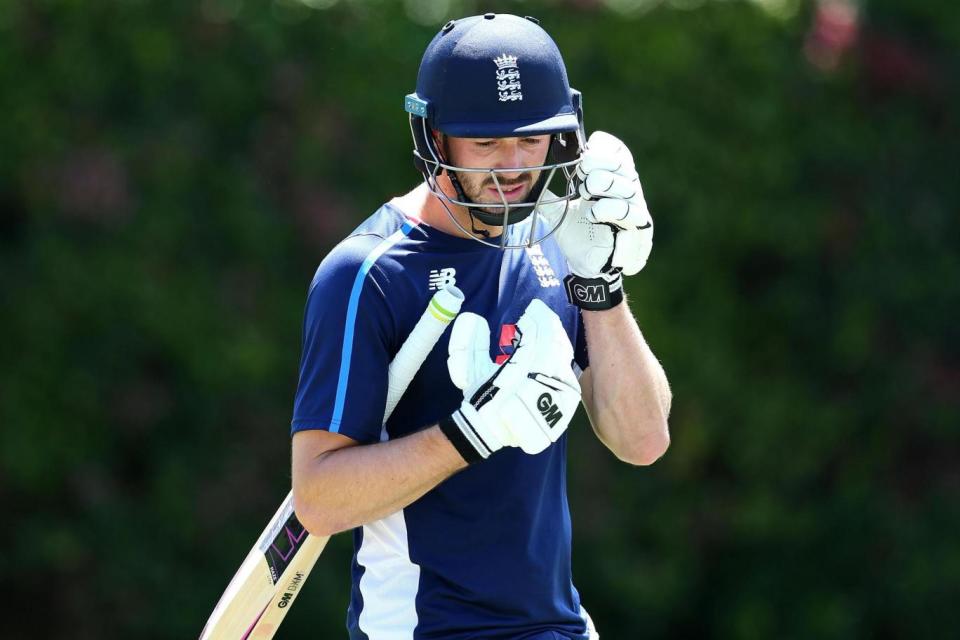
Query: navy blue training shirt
[(485, 554)]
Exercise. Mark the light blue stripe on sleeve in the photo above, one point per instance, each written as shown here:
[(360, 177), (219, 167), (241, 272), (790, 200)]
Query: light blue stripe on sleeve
[(347, 349)]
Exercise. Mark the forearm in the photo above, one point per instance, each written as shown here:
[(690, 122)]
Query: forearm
[(347, 487), (629, 395)]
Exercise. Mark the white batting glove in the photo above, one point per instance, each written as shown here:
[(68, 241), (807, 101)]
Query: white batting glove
[(526, 402), (609, 231)]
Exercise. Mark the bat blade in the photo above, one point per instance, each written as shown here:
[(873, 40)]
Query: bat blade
[(270, 579), (288, 588), (275, 560)]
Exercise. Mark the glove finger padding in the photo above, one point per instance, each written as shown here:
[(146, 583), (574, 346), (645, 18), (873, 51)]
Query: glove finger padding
[(609, 231), (601, 141), (537, 326), (548, 393), (604, 151), (625, 214), (606, 184), (593, 162), (543, 340), (527, 402), (468, 358)]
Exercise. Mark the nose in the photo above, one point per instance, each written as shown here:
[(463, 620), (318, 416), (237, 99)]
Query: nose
[(510, 157)]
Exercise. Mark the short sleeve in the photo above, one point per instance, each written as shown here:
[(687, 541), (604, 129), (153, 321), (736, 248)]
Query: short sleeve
[(580, 356), (346, 340)]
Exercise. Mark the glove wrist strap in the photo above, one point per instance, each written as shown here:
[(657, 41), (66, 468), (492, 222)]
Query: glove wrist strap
[(594, 294), (465, 438)]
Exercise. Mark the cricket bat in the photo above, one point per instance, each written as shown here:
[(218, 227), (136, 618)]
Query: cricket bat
[(270, 578)]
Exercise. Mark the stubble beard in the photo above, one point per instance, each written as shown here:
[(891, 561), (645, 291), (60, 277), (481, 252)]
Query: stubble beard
[(475, 187)]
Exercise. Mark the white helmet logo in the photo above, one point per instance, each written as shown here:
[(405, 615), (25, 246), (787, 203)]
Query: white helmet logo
[(508, 78)]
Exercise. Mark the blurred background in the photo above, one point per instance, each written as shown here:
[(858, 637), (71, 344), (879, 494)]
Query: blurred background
[(171, 173)]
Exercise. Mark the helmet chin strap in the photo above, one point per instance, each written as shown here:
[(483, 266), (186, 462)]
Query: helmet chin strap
[(477, 230)]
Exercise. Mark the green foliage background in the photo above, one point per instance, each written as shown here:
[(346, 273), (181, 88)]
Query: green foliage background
[(171, 173)]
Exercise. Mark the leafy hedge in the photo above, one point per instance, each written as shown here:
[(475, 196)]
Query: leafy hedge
[(171, 173)]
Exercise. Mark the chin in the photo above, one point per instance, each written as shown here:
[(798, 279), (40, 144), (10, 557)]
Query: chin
[(517, 199)]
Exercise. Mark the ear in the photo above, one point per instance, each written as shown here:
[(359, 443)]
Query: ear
[(441, 146)]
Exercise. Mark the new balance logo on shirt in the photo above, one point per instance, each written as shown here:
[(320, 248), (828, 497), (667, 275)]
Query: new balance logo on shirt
[(440, 278)]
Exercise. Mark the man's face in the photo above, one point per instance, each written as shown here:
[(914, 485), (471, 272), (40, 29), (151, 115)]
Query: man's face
[(497, 153)]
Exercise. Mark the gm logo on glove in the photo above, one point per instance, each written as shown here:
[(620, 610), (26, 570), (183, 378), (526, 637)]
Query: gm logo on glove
[(595, 293), (549, 411)]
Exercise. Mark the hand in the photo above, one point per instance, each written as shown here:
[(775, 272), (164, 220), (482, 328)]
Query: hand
[(608, 231), (526, 402)]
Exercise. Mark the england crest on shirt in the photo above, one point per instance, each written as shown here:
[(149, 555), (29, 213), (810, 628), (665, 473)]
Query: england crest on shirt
[(541, 266)]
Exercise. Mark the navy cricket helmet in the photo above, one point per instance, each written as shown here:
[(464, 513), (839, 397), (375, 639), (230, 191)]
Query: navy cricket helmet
[(496, 76)]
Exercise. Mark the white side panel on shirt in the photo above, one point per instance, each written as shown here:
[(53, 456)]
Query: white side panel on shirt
[(591, 630), (390, 581)]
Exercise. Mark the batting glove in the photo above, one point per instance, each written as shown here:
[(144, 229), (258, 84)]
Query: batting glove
[(609, 231), (526, 402)]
